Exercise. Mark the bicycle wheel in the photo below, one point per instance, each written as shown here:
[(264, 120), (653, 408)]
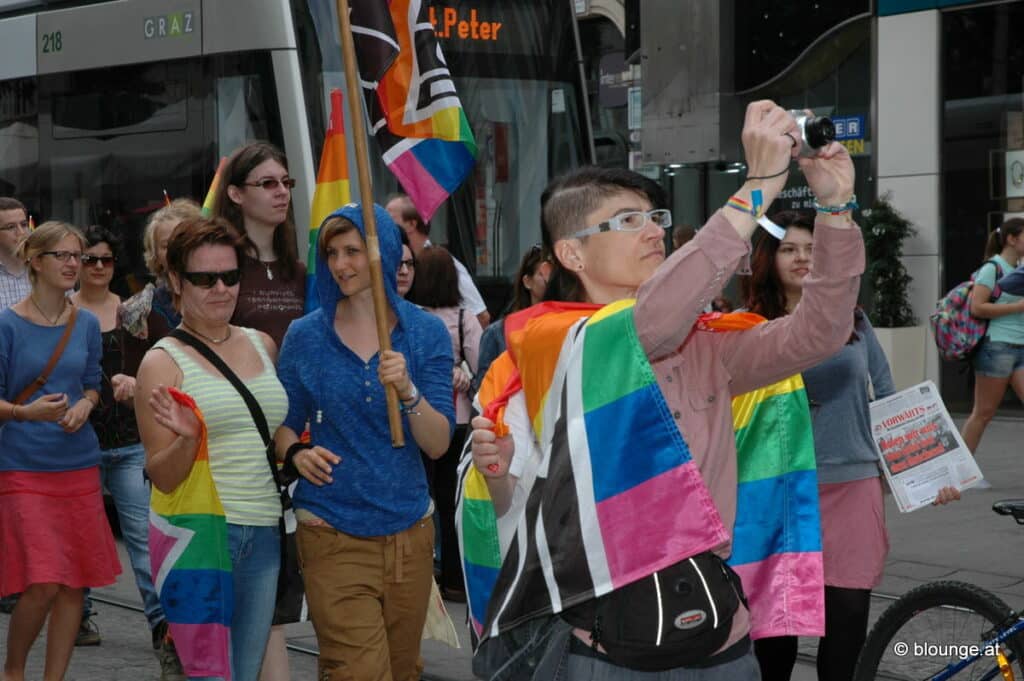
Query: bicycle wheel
[(936, 625)]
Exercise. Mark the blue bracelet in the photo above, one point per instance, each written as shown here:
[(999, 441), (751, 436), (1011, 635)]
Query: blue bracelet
[(408, 409), (847, 207)]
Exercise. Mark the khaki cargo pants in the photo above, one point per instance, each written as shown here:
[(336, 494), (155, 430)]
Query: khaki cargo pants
[(368, 600)]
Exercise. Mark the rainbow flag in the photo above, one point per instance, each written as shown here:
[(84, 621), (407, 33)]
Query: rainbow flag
[(778, 489), (414, 110), (331, 192), (191, 566), (600, 388), (211, 194)]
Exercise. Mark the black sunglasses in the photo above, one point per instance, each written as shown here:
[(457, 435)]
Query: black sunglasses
[(209, 279), (90, 260)]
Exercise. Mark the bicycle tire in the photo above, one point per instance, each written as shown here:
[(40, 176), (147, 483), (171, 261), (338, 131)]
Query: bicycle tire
[(924, 612)]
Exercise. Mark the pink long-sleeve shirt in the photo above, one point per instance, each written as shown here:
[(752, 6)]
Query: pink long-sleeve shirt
[(699, 372)]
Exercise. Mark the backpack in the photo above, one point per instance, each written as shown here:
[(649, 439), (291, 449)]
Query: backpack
[(957, 331)]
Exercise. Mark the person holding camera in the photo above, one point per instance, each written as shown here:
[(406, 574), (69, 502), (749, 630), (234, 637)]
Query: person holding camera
[(607, 236)]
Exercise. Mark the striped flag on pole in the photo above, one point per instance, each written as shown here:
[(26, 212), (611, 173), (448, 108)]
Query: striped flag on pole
[(414, 110), (332, 189)]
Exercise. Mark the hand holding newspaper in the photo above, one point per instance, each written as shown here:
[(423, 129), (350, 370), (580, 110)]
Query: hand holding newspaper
[(920, 447)]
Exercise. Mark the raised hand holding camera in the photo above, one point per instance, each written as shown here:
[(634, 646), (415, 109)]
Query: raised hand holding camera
[(830, 175)]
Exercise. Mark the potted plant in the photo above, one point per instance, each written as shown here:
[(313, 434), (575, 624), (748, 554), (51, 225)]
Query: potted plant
[(902, 339)]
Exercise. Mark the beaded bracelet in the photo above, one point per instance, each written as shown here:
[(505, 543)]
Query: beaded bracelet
[(847, 207)]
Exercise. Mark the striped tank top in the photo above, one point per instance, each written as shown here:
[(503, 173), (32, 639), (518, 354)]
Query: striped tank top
[(238, 459)]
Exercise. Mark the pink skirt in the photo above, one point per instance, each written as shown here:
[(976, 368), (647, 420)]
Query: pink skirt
[(53, 529), (854, 540)]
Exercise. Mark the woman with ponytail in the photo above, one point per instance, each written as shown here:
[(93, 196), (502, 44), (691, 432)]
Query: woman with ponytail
[(999, 359)]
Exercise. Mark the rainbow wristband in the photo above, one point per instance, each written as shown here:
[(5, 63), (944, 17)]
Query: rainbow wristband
[(756, 208)]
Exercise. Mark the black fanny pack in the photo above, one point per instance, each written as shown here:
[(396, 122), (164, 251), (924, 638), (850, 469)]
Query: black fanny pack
[(677, 617)]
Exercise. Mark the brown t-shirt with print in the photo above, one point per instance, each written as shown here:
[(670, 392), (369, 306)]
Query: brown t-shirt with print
[(267, 301)]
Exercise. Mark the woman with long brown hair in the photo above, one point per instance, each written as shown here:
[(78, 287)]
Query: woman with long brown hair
[(255, 197), (854, 538)]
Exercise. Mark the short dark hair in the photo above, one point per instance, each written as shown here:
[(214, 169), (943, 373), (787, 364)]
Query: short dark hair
[(409, 212), (192, 233), (8, 203), (98, 234), (568, 200), (437, 281)]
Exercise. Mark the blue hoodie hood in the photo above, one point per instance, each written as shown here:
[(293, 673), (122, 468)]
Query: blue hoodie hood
[(390, 241)]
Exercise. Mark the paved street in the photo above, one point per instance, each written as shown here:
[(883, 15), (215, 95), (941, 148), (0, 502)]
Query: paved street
[(965, 541)]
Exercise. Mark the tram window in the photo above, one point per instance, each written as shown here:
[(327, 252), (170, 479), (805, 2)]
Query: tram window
[(19, 141), (120, 101)]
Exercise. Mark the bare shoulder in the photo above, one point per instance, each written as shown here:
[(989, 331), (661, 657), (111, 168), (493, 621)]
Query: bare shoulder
[(269, 344), (157, 367)]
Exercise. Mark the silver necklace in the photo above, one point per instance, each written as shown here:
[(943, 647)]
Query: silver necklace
[(54, 321), (215, 341), (270, 274)]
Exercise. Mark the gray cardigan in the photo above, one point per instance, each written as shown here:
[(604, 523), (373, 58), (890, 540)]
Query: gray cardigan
[(838, 392)]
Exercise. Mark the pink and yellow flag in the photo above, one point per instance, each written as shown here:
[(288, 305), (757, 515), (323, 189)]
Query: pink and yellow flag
[(332, 189)]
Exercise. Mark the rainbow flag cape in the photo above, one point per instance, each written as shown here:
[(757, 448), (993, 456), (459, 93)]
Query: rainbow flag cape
[(211, 193), (598, 387), (331, 192), (414, 110), (777, 530), (188, 553)]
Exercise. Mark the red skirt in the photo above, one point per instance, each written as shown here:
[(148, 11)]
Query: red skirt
[(53, 529), (854, 540)]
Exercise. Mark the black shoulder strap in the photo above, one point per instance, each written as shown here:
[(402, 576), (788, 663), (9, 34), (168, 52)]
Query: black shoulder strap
[(250, 401), (462, 340)]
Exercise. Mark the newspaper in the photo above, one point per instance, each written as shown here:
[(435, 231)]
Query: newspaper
[(920, 447)]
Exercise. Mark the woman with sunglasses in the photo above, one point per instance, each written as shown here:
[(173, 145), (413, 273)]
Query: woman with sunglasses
[(365, 534), (255, 196), (54, 533), (203, 258), (122, 456), (606, 233)]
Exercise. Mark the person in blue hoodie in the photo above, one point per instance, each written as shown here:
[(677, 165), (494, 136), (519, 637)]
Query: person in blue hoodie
[(365, 535)]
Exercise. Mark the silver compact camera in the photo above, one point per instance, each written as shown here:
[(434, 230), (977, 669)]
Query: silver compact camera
[(816, 132)]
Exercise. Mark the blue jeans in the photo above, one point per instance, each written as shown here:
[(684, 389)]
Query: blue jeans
[(255, 562), (998, 359), (121, 474)]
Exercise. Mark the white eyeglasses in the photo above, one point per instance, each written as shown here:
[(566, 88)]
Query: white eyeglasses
[(633, 221)]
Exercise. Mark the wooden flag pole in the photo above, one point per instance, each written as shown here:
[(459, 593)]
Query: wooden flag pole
[(380, 300)]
